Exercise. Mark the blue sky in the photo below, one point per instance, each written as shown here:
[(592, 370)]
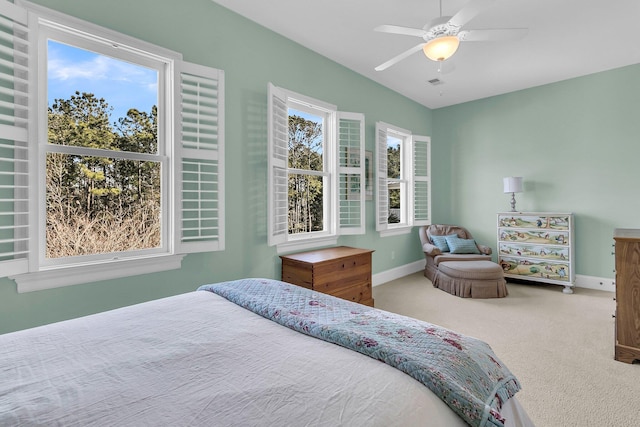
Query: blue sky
[(122, 84)]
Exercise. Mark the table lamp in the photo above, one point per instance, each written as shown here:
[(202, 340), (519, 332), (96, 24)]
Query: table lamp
[(513, 185)]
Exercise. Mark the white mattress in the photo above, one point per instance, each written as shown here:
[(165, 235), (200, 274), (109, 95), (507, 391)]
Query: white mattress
[(198, 360)]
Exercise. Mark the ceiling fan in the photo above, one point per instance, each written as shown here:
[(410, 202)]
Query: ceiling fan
[(442, 35)]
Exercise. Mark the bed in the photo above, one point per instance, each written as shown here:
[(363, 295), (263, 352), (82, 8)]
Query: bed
[(212, 358)]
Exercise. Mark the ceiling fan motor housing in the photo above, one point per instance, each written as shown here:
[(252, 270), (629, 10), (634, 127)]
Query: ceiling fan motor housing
[(439, 27)]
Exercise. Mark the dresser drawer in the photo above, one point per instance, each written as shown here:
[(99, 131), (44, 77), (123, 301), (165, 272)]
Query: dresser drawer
[(534, 236), (551, 222), (342, 273), (298, 274), (531, 268), (554, 253), (359, 293)]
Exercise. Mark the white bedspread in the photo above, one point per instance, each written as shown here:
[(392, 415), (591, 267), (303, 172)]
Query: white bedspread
[(198, 360)]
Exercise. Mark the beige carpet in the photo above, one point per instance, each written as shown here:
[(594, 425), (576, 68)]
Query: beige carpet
[(559, 346)]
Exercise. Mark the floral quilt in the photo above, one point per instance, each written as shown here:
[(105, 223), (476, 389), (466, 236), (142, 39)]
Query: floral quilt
[(463, 371)]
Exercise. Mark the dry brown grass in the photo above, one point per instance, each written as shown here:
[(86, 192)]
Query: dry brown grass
[(72, 235)]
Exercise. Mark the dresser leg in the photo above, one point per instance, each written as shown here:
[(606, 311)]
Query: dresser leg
[(567, 289)]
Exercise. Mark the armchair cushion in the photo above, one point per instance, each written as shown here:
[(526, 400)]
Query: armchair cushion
[(441, 242), (461, 246)]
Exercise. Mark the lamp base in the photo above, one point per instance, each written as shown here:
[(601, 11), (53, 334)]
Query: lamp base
[(513, 202)]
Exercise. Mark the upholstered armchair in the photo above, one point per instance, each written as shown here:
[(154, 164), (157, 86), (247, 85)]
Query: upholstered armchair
[(441, 243)]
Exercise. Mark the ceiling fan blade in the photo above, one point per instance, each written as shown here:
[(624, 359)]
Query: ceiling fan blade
[(492, 35), (406, 31), (468, 12), (400, 57)]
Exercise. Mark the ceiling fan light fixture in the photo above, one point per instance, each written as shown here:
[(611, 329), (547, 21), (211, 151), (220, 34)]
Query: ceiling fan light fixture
[(441, 48)]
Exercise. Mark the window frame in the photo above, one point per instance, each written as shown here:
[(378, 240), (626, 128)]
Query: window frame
[(415, 179), (191, 119), (62, 33), (310, 107), (403, 180), (279, 101)]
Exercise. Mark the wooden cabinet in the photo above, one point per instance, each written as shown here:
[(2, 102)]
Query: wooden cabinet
[(342, 271), (537, 246), (627, 329)]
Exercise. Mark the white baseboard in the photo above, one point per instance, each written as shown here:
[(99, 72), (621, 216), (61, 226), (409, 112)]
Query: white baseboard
[(588, 282), (599, 283), (398, 272)]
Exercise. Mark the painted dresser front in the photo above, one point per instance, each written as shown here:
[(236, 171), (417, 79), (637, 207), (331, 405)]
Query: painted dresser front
[(537, 246)]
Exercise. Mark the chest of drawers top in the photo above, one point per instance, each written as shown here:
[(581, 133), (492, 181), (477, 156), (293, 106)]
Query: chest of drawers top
[(326, 255)]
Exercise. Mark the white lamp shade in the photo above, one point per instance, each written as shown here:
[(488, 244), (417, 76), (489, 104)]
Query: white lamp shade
[(441, 48), (513, 184)]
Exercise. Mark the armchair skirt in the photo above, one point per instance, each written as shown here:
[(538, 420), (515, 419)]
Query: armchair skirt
[(471, 279)]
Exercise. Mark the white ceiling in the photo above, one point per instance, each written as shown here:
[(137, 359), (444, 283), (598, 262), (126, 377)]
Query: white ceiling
[(566, 39)]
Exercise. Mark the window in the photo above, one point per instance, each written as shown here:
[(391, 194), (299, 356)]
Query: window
[(104, 158), (396, 180), (122, 177), (307, 170), (404, 188), (316, 171)]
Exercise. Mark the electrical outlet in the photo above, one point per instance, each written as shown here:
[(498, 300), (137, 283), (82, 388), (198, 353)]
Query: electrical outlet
[(393, 254)]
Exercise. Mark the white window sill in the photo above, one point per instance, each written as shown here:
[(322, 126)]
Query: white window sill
[(67, 276), (395, 231)]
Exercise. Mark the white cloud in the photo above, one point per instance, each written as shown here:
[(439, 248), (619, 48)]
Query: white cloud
[(98, 67), (123, 85)]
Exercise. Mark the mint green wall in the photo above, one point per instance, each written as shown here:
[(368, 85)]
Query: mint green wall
[(251, 56), (577, 145)]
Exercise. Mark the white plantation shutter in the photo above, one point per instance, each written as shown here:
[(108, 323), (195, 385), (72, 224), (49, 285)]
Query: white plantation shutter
[(199, 159), (278, 136), (14, 185), (351, 173), (382, 194), (421, 180)]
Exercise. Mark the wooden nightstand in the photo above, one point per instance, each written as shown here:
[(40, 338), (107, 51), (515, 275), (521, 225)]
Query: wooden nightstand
[(342, 271)]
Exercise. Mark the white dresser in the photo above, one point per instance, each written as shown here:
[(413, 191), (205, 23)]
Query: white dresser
[(537, 246)]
